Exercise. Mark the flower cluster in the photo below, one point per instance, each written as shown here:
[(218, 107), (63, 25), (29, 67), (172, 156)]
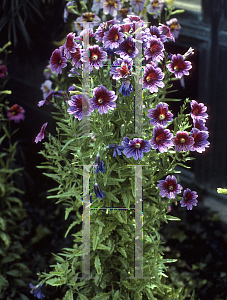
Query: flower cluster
[(122, 43), (170, 188)]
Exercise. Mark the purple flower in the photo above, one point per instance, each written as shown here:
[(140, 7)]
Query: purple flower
[(153, 78), (3, 70), (189, 199), (70, 45), (126, 88), (155, 50), (200, 140), (122, 13), (47, 99), (156, 6), (97, 5), (117, 149), (135, 147), (99, 164), (160, 114), (165, 30), (161, 138), (76, 56), (103, 27), (103, 100), (86, 17), (113, 37), (200, 124), (198, 110), (138, 5), (46, 88), (183, 141), (111, 7), (174, 27), (95, 55), (98, 192), (16, 113), (169, 187), (155, 31), (127, 48), (79, 106), (122, 68), (37, 290), (41, 134), (57, 61), (179, 66), (67, 11)]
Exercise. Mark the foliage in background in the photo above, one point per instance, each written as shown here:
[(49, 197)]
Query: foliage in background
[(16, 14), (13, 273)]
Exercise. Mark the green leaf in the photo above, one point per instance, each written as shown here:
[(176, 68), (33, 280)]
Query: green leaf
[(178, 11), (68, 295), (116, 295), (98, 264), (172, 218), (122, 251), (82, 297), (14, 273), (67, 211), (56, 281), (6, 239)]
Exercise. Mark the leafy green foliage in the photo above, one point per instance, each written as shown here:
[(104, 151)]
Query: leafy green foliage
[(13, 271)]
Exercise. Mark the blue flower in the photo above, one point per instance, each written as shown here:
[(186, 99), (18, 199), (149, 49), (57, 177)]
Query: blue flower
[(99, 164), (98, 192), (126, 88), (117, 149), (135, 148), (37, 290)]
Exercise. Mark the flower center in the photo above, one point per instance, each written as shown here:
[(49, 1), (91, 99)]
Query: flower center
[(116, 37), (94, 56), (157, 139), (155, 4), (88, 17), (170, 187), (137, 145), (173, 26), (161, 117), (100, 100), (15, 110), (175, 68), (149, 77), (182, 140), (111, 2), (129, 50)]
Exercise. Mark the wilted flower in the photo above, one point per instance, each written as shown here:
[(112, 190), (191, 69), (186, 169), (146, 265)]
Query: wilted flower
[(135, 147), (41, 134), (189, 199), (37, 290), (169, 187), (16, 113), (99, 164), (98, 192), (117, 149), (126, 88)]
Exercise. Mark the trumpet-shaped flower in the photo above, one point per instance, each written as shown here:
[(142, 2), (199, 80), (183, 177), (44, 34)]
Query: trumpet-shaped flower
[(41, 134), (155, 50), (103, 100), (127, 48), (57, 61), (122, 68), (126, 88), (200, 140), (160, 114), (117, 149), (189, 199), (135, 147), (16, 113), (183, 141), (153, 78), (169, 187), (95, 55), (179, 66), (198, 110), (37, 290), (98, 192), (113, 37), (79, 106), (161, 138)]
